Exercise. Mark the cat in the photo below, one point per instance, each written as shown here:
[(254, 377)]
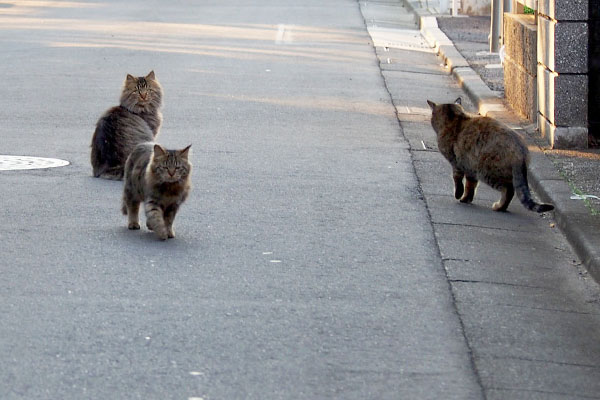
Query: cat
[(481, 148), (136, 120), (160, 179)]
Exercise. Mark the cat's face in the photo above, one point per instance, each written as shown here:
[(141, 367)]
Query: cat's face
[(171, 165), (141, 93)]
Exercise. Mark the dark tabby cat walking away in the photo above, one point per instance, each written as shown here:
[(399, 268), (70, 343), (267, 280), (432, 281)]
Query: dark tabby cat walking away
[(136, 120), (483, 149), (160, 179)]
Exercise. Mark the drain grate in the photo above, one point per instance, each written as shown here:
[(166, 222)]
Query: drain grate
[(9, 163)]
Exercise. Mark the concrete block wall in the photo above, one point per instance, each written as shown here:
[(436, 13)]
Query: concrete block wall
[(594, 71), (520, 64), (562, 55), (563, 97), (564, 10)]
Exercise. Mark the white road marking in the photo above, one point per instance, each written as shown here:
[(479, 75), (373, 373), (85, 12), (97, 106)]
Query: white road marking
[(284, 34)]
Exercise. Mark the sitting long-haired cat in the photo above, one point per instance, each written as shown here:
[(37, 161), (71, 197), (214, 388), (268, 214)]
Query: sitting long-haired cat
[(136, 120), (483, 149), (160, 179)]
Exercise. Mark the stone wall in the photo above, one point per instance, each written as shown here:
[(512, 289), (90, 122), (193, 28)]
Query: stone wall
[(562, 54), (520, 64), (594, 71)]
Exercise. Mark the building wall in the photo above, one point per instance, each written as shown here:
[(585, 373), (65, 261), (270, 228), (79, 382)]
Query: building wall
[(562, 54), (594, 71), (520, 64)]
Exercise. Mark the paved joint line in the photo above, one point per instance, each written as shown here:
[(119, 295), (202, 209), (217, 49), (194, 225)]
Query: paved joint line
[(547, 309), (437, 249), (499, 283), (421, 196), (407, 71), (570, 395), (453, 296), (477, 226), (545, 361)]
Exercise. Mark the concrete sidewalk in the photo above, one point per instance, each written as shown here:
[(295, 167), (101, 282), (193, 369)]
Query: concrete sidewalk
[(528, 309), (562, 177)]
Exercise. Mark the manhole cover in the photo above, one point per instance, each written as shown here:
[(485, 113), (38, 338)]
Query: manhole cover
[(8, 163)]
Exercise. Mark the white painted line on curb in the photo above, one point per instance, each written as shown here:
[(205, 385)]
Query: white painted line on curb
[(493, 66)]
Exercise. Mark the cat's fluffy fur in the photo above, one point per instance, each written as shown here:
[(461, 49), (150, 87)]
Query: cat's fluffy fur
[(136, 120), (160, 179), (482, 149)]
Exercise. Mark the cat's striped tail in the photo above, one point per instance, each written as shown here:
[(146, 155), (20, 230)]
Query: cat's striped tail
[(522, 189)]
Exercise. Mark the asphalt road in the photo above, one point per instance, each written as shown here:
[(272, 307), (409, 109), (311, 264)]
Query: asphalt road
[(306, 263)]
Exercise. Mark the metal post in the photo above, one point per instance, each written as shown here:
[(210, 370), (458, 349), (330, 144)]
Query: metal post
[(507, 7), (496, 26)]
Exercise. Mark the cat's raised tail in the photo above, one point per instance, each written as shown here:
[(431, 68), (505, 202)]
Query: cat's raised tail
[(522, 190)]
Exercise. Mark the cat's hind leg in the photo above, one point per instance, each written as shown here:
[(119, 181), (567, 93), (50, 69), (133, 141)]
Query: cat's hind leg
[(155, 220), (470, 187), (130, 206), (508, 192), (458, 183), (111, 173)]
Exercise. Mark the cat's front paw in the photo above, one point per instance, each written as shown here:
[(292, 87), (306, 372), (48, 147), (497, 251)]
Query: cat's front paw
[(458, 191), (171, 233), (499, 206), (162, 234), (133, 226), (466, 199)]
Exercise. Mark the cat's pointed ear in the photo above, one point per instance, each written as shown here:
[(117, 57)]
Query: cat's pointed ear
[(184, 153), (458, 101), (130, 78), (431, 104), (151, 76), (159, 150)]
